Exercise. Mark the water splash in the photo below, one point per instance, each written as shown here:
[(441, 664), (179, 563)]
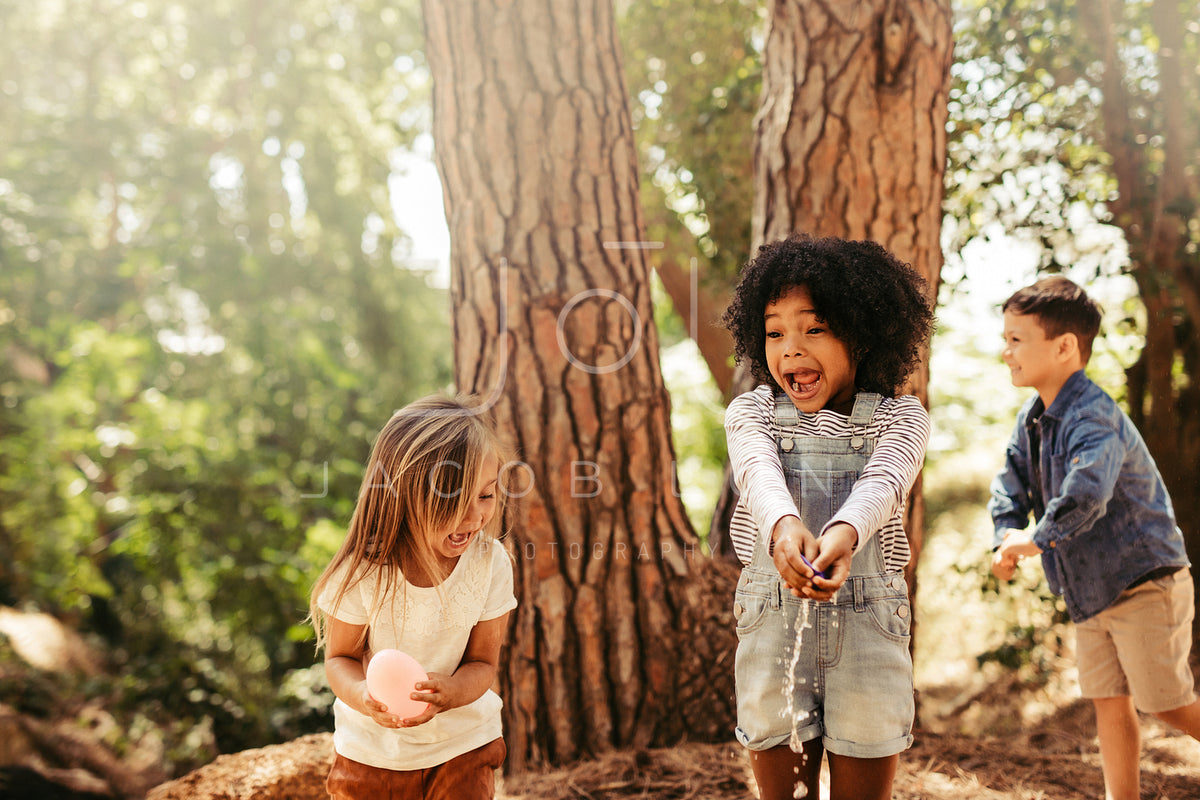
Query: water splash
[(801, 790), (802, 623)]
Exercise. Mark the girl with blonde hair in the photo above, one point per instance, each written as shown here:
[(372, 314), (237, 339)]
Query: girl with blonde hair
[(418, 572)]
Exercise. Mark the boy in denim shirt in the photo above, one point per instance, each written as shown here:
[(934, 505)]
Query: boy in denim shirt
[(1105, 528)]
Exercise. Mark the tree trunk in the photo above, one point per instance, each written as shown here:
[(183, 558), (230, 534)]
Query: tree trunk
[(851, 139), (621, 620)]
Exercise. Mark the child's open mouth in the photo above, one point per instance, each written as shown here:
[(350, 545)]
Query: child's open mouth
[(460, 539), (804, 384)]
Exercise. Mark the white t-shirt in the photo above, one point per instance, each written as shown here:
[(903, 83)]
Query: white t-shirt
[(435, 633)]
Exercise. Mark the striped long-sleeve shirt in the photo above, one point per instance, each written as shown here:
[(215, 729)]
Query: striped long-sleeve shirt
[(900, 427)]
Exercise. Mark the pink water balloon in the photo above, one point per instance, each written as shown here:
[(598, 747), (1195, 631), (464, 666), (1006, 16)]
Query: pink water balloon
[(391, 676)]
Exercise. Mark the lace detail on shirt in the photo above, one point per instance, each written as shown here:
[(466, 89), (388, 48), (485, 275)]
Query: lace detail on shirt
[(427, 612)]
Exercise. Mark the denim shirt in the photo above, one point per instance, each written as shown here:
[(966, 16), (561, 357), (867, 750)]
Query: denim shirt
[(1104, 518)]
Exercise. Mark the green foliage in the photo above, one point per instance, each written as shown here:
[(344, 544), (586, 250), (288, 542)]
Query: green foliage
[(205, 316), (697, 414), (1028, 146), (1034, 641), (695, 74), (1017, 627)]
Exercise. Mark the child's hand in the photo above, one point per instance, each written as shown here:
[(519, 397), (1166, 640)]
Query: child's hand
[(377, 710), (436, 692), (1018, 544), (831, 554), (835, 549), (793, 540), (1004, 567)]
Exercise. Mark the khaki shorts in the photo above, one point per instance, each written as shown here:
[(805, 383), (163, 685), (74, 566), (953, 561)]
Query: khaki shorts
[(470, 776), (1140, 644)]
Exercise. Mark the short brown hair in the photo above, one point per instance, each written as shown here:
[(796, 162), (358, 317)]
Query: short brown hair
[(1062, 307)]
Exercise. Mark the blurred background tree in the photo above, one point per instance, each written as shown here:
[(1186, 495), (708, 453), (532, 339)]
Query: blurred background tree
[(206, 312), (1069, 117)]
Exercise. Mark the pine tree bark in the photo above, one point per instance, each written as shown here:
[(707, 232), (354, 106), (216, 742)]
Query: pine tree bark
[(622, 626), (851, 139)]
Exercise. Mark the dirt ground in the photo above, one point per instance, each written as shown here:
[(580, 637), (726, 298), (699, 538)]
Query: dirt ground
[(1054, 763), (986, 734), (983, 735), (1056, 759)]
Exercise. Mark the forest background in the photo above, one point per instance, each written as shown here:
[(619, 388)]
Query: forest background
[(214, 289)]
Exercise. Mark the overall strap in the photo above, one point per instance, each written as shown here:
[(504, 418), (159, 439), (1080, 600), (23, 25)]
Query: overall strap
[(786, 413), (865, 404)]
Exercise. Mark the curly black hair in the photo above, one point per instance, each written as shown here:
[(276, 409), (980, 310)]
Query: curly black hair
[(870, 300)]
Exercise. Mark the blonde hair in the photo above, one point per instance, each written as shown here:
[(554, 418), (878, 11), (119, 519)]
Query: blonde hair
[(420, 479)]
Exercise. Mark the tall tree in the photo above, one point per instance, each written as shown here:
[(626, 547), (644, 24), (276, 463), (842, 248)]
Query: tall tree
[(614, 637), (1069, 114), (851, 140)]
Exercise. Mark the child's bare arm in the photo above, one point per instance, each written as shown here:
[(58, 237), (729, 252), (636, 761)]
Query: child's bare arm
[(475, 674), (346, 672)]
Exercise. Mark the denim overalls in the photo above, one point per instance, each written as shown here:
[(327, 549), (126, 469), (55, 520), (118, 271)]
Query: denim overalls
[(854, 676)]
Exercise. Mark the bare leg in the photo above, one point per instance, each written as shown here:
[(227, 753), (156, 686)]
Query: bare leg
[(1185, 718), (778, 771), (861, 778), (1120, 746)]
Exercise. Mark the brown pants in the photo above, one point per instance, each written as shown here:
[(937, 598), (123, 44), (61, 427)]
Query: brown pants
[(471, 776)]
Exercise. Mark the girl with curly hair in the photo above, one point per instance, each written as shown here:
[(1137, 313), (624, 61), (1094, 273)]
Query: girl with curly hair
[(824, 454)]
